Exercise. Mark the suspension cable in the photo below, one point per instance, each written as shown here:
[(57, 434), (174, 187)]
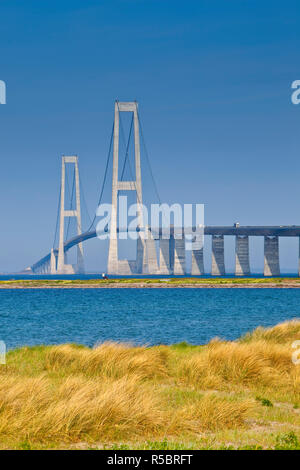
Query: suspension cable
[(105, 175), (148, 160), (84, 200)]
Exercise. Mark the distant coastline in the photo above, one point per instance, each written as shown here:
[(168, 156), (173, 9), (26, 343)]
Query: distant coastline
[(177, 283)]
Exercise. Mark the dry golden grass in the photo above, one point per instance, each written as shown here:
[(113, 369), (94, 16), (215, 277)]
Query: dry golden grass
[(259, 358), (118, 392), (234, 363), (109, 359), (210, 413), (76, 407), (283, 333)]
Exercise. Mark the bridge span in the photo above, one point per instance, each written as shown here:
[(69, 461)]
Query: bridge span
[(168, 249), (170, 258)]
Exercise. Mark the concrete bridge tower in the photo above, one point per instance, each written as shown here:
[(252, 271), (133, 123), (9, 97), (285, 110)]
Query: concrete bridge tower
[(62, 266), (146, 255)]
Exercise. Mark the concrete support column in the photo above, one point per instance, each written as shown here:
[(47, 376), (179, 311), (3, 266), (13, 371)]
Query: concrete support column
[(124, 268), (271, 255), (242, 265), (150, 265), (164, 256), (179, 256), (218, 264), (140, 255), (52, 262), (197, 262)]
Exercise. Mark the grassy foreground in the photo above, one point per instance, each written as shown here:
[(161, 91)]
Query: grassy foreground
[(154, 282), (243, 395)]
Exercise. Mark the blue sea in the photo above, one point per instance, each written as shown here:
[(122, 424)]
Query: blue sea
[(140, 316)]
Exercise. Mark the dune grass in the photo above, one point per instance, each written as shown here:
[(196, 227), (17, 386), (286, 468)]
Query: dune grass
[(241, 394)]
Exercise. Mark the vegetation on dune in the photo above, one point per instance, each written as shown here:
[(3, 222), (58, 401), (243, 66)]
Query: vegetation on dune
[(109, 360), (280, 334), (243, 394)]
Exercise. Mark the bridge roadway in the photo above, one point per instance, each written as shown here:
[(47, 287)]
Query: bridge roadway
[(234, 230)]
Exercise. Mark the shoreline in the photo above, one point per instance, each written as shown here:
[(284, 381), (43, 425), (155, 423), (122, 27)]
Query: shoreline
[(186, 283)]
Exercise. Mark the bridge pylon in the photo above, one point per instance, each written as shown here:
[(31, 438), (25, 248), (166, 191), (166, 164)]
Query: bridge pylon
[(62, 265), (146, 261)]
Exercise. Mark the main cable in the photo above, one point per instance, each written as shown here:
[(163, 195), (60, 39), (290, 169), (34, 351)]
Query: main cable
[(148, 160), (105, 175)]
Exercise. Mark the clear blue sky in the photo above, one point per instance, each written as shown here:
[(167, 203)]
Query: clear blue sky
[(213, 81)]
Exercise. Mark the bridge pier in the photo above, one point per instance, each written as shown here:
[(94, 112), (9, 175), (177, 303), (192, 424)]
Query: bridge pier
[(150, 265), (218, 263), (53, 261), (124, 267), (113, 262), (164, 256), (271, 256), (242, 265), (197, 262), (197, 258), (179, 256), (140, 255)]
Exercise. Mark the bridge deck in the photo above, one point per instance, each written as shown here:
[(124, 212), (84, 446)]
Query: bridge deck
[(249, 230)]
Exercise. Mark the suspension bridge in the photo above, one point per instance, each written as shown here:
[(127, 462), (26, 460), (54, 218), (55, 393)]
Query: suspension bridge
[(170, 258)]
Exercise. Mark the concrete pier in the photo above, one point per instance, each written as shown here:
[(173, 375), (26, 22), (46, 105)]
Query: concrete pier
[(242, 265), (124, 267), (179, 256), (52, 262), (217, 264), (271, 255), (164, 257), (197, 262), (150, 265), (140, 255)]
